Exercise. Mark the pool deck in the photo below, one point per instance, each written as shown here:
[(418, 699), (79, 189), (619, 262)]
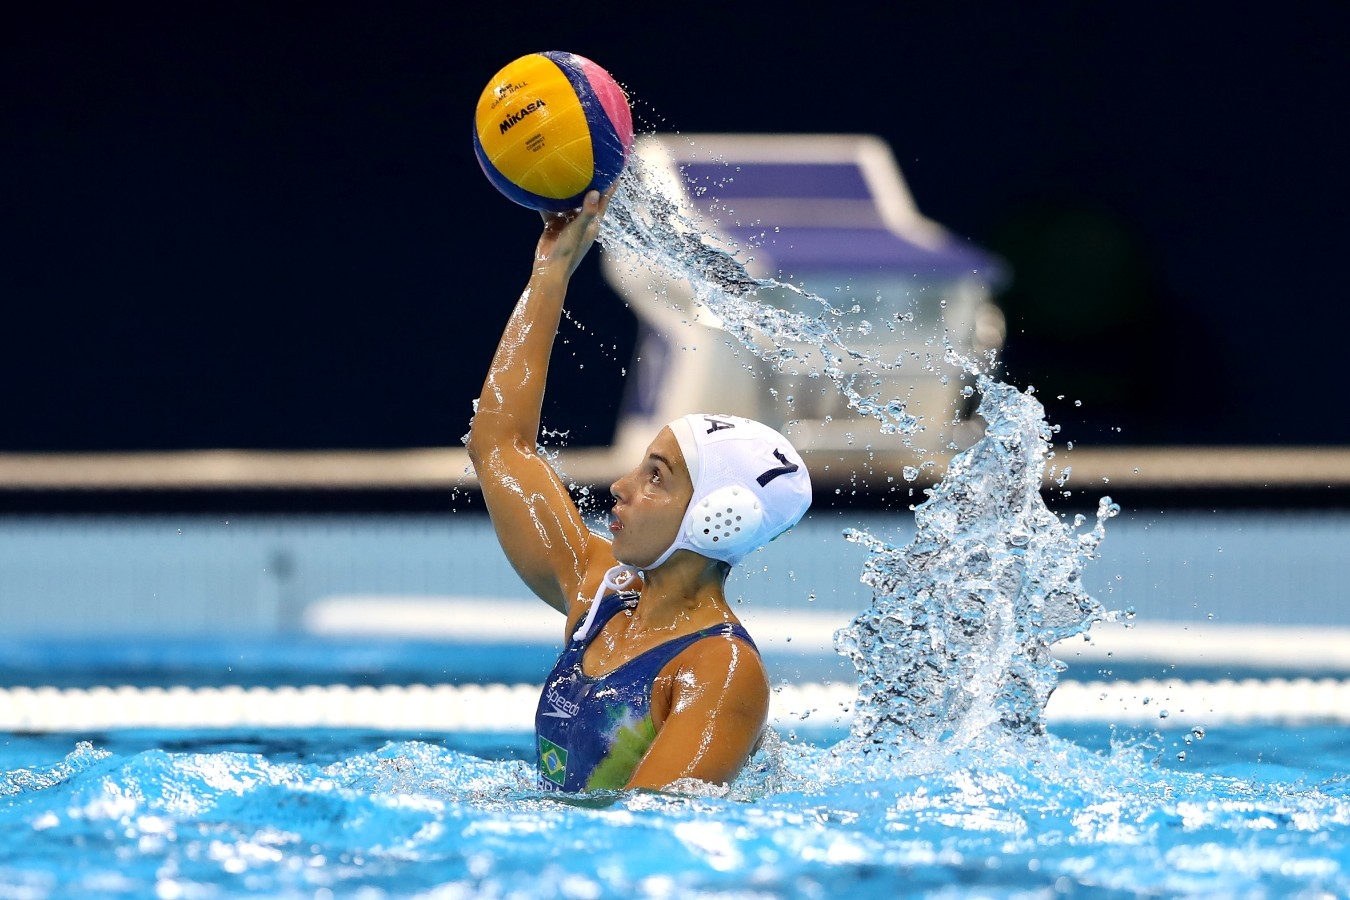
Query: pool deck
[(1140, 467)]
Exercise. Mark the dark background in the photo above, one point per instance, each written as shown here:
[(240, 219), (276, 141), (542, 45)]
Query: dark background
[(262, 225)]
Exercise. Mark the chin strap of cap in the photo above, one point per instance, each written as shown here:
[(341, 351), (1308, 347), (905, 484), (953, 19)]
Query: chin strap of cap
[(618, 579)]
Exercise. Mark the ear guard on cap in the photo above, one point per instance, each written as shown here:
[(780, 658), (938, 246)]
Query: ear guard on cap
[(749, 486), (727, 519)]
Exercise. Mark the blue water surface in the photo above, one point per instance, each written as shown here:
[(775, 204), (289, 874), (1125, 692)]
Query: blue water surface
[(1247, 812)]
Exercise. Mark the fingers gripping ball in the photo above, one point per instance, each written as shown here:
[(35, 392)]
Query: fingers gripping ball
[(550, 127)]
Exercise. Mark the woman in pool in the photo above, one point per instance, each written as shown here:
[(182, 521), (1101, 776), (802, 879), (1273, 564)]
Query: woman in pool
[(658, 682)]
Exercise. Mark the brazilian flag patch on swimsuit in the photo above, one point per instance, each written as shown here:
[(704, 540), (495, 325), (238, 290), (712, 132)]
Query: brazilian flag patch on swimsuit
[(553, 761)]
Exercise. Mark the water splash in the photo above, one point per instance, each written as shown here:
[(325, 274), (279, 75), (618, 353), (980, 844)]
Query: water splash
[(672, 242), (21, 781), (958, 638)]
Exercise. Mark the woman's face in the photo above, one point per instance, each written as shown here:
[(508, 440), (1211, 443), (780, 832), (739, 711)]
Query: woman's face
[(649, 503)]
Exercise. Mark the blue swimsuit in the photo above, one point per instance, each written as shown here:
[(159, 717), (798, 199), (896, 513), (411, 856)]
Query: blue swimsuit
[(592, 732)]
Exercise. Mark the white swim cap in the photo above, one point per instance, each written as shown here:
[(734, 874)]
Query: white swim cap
[(750, 486)]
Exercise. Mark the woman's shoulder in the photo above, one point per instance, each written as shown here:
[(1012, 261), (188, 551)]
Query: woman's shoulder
[(725, 652), (721, 673)]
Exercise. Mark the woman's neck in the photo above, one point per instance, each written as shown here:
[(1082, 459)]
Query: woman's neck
[(687, 587)]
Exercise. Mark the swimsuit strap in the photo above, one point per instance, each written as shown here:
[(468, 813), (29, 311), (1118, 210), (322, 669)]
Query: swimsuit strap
[(610, 596), (677, 645)]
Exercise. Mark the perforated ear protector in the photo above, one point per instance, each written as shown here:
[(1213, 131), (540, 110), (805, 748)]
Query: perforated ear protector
[(728, 518), (749, 486)]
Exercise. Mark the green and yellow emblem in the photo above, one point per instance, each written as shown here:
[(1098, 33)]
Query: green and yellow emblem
[(553, 761)]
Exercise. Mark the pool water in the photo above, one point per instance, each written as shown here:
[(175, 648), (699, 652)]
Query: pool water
[(1247, 812)]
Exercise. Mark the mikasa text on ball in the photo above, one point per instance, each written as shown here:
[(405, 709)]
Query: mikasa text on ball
[(550, 127)]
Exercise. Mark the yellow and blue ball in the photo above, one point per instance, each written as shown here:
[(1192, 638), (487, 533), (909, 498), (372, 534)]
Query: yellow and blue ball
[(550, 127)]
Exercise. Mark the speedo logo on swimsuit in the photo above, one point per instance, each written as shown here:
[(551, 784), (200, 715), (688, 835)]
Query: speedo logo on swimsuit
[(512, 120), (562, 707)]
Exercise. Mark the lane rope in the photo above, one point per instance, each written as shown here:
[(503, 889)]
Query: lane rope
[(510, 707)]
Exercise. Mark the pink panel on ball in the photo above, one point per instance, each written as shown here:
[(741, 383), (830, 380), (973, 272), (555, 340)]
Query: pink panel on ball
[(612, 99)]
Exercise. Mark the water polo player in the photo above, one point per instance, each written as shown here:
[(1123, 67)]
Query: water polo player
[(658, 681)]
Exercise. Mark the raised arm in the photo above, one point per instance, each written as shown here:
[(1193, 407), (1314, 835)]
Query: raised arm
[(536, 521)]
